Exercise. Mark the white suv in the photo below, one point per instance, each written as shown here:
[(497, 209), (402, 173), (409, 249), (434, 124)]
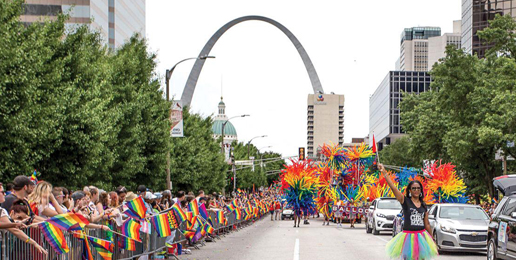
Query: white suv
[(381, 214)]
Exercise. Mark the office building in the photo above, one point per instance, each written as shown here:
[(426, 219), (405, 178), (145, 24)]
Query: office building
[(325, 121), (384, 112), (116, 21), (476, 15), (437, 45), (414, 48)]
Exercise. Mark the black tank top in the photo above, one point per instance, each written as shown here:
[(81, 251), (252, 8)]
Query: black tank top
[(414, 218)]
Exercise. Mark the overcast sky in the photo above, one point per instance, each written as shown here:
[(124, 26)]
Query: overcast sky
[(352, 44)]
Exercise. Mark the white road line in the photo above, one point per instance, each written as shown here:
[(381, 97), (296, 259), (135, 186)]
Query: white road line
[(296, 250), (382, 239)]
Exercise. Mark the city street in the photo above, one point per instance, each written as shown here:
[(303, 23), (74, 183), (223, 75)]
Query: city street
[(279, 240)]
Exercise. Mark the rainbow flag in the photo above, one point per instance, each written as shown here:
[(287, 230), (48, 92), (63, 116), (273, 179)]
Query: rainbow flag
[(234, 203), (126, 243), (161, 225), (179, 213), (208, 228), (220, 217), (137, 206), (203, 212), (86, 250), (104, 248), (131, 214), (188, 234), (197, 235), (33, 178), (131, 228), (238, 214), (230, 207), (193, 206), (172, 220), (69, 221), (190, 224), (54, 237)]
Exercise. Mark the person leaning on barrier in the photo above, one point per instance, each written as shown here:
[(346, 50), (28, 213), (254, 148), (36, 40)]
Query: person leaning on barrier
[(23, 186), (14, 227), (81, 207)]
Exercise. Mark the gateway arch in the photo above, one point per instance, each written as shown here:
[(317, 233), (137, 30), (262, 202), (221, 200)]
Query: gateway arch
[(186, 97)]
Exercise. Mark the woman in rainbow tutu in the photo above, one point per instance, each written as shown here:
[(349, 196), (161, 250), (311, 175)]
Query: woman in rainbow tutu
[(415, 241)]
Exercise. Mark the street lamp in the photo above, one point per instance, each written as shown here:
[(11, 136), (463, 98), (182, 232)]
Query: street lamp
[(168, 75), (248, 143), (223, 126), (261, 157)]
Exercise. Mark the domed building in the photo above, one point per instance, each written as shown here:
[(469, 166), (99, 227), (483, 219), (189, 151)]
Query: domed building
[(230, 133)]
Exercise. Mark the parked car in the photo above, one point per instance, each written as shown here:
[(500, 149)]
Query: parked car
[(459, 227), (502, 227), (287, 213), (381, 214), (397, 223)]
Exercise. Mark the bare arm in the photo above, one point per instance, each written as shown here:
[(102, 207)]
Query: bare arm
[(399, 196), (22, 236), (56, 205)]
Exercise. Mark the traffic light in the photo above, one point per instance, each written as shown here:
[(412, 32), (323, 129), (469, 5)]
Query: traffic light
[(302, 154)]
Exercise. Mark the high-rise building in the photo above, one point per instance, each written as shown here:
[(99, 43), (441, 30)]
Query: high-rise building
[(437, 45), (476, 15), (384, 112), (325, 121), (117, 21), (414, 48)]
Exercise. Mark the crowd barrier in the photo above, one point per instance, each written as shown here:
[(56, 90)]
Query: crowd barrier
[(13, 248)]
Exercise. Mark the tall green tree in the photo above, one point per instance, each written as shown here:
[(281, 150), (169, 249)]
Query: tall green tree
[(469, 113), (398, 154), (196, 161)]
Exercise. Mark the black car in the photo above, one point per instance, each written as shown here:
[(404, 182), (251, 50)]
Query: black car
[(502, 228)]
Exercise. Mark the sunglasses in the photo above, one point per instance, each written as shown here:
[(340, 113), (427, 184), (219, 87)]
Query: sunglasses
[(415, 188)]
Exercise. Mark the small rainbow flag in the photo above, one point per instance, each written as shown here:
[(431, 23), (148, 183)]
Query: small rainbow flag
[(234, 203), (137, 206), (179, 213), (161, 224), (126, 243), (193, 206), (172, 220), (238, 214), (188, 234), (208, 229), (33, 178), (69, 221), (230, 207), (104, 248), (190, 224), (54, 237), (86, 250), (220, 217), (189, 216), (131, 228), (197, 235), (131, 214), (203, 211)]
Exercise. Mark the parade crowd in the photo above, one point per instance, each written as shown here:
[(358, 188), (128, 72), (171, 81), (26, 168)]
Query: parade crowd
[(27, 202)]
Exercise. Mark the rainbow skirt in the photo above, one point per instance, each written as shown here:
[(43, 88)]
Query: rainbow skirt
[(417, 245)]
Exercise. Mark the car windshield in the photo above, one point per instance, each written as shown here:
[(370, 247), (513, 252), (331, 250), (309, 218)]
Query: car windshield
[(389, 204), (460, 213)]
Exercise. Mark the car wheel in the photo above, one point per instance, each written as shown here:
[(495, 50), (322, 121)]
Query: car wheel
[(491, 250), (368, 230), (375, 232)]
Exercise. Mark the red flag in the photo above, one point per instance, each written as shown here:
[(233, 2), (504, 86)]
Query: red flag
[(374, 145)]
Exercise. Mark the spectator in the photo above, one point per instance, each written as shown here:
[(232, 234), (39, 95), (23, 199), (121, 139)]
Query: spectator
[(121, 192), (22, 188), (149, 200), (141, 190), (9, 188), (200, 195), (114, 199), (180, 196), (67, 202), (40, 199), (167, 199), (59, 195)]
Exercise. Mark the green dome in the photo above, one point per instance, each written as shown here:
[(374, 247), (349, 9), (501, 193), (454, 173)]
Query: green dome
[(229, 129)]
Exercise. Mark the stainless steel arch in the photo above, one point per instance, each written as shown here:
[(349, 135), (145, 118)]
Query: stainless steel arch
[(187, 95)]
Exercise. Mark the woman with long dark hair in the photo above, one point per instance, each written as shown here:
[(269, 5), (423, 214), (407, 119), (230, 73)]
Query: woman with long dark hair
[(415, 241)]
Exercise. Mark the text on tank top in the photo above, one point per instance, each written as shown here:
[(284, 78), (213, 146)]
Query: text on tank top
[(414, 217)]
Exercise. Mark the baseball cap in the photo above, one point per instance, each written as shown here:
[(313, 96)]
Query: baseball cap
[(21, 181), (158, 195), (149, 196)]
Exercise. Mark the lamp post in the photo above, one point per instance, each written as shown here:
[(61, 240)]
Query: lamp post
[(261, 156), (223, 126), (168, 75), (248, 143)]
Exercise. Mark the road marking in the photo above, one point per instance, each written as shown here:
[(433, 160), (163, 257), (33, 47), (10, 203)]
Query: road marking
[(382, 239), (296, 250)]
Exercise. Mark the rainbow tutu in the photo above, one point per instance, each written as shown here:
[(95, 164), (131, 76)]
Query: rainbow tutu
[(417, 245)]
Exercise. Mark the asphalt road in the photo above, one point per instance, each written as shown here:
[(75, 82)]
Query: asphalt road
[(268, 239)]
